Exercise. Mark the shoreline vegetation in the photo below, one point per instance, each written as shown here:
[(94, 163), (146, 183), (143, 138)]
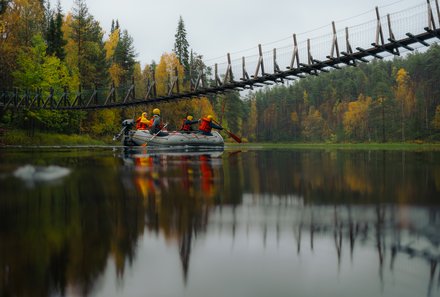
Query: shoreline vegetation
[(17, 137)]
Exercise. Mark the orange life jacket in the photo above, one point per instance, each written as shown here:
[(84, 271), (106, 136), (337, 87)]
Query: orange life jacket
[(205, 125), (140, 125)]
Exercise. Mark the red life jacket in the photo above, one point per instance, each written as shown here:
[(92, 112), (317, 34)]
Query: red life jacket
[(185, 127), (205, 125)]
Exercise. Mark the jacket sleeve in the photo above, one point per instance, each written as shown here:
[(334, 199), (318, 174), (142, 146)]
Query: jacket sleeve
[(215, 126)]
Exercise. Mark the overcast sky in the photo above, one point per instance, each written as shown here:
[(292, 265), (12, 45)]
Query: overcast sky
[(216, 27)]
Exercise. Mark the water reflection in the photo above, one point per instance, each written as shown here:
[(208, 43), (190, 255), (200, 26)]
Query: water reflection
[(248, 223)]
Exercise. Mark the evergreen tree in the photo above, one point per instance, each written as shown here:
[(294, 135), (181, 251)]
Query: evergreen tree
[(54, 35), (181, 46), (87, 35), (125, 55)]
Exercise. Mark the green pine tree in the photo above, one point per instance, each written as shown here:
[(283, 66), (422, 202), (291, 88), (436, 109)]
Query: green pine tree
[(181, 46)]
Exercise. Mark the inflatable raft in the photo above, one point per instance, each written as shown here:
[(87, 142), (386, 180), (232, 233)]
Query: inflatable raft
[(167, 138)]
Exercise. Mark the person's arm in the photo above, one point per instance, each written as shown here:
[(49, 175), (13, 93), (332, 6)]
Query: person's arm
[(145, 121), (215, 126), (156, 122)]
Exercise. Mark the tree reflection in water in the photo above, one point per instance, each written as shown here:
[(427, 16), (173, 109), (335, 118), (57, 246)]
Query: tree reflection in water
[(57, 239)]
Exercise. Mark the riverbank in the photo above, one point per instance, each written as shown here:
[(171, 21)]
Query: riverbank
[(20, 137), (411, 146)]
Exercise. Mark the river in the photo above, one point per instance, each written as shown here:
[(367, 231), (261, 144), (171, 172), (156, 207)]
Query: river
[(243, 221)]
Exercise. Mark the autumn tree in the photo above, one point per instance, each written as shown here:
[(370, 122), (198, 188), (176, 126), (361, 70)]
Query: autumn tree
[(20, 21), (166, 73), (356, 121), (405, 96), (314, 126), (35, 69)]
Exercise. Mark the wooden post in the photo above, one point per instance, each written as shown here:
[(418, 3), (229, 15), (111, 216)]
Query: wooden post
[(228, 74), (95, 93), (309, 53), (113, 91), (335, 45), (15, 97), (133, 94), (391, 35), (243, 67), (379, 33), (260, 63), (217, 79), (176, 73), (276, 68), (438, 11), (51, 97), (154, 83), (65, 95), (79, 95), (295, 55), (431, 22)]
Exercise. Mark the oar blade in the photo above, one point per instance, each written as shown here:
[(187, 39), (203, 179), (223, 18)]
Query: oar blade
[(235, 137)]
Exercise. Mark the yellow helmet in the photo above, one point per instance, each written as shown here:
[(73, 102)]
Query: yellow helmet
[(156, 111), (144, 114), (209, 117), (189, 118)]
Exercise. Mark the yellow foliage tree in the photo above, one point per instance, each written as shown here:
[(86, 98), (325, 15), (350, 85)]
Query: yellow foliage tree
[(314, 126), (356, 117), (405, 96), (111, 43), (70, 48), (116, 73), (166, 73)]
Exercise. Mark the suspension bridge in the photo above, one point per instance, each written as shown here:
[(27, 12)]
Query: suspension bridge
[(383, 36)]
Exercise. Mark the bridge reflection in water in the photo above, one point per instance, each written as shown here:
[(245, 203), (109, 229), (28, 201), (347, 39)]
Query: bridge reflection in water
[(222, 223)]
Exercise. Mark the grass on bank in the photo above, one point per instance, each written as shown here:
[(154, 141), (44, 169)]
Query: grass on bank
[(20, 137)]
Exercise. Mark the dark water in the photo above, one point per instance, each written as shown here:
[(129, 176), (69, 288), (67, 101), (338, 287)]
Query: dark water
[(249, 222)]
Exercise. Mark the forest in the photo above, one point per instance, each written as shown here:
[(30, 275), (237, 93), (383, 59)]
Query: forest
[(391, 100)]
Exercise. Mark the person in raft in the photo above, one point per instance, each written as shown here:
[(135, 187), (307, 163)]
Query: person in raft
[(206, 125), (187, 124), (142, 122), (156, 124)]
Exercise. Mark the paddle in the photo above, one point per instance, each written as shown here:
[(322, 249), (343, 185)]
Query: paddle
[(235, 137), (154, 135), (116, 137)]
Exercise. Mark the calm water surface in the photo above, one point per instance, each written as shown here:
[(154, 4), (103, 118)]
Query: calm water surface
[(238, 222)]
